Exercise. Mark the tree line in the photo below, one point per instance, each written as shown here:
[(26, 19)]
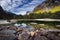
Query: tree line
[(55, 15)]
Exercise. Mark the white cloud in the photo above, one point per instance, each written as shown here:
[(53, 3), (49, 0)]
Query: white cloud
[(13, 6), (21, 12)]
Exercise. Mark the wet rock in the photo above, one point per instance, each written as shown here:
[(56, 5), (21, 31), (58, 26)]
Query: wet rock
[(7, 35), (23, 36), (59, 34), (50, 35), (53, 36)]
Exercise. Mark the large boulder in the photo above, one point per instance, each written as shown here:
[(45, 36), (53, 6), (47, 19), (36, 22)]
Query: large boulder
[(7, 35)]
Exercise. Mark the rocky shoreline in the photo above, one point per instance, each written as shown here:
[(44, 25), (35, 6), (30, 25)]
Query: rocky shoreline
[(40, 35)]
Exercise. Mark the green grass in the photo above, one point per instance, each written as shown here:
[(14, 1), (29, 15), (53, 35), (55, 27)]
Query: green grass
[(46, 26)]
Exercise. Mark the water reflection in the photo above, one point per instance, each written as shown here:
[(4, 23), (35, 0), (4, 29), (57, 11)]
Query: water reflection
[(24, 26), (16, 25)]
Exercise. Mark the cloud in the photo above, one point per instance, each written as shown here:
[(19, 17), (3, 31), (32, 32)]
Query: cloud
[(21, 12), (19, 6)]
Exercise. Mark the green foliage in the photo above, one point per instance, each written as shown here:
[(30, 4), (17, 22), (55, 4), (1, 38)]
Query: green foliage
[(55, 15), (46, 26)]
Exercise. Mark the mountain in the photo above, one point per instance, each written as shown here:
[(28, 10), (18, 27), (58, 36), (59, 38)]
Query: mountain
[(5, 15), (47, 6)]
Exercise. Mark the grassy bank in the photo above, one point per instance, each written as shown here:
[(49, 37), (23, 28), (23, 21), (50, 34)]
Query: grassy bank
[(45, 26)]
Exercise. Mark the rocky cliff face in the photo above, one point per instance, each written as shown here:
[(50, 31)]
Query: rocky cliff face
[(48, 5)]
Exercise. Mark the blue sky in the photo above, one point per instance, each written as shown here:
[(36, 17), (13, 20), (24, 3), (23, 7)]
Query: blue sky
[(20, 6)]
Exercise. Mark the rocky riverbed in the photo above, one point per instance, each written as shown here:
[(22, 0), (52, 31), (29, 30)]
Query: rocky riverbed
[(14, 33), (40, 35)]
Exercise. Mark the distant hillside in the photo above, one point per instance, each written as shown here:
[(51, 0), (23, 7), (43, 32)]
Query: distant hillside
[(5, 15), (47, 6)]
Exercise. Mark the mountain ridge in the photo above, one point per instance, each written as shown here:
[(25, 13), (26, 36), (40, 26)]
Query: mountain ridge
[(47, 6)]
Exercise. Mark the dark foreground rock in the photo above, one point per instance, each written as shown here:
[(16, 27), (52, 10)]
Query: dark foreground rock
[(7, 35), (50, 35), (41, 35)]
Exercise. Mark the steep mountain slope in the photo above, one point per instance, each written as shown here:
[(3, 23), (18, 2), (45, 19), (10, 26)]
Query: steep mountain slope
[(48, 5), (5, 15)]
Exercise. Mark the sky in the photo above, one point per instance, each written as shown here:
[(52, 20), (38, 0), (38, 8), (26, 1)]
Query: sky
[(19, 6)]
